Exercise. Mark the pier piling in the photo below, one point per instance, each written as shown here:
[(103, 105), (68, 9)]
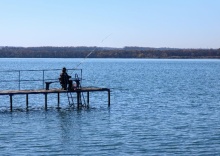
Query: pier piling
[(26, 101), (87, 98), (45, 101), (11, 101), (109, 97), (58, 100)]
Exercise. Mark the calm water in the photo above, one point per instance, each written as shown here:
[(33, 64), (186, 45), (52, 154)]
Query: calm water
[(158, 107)]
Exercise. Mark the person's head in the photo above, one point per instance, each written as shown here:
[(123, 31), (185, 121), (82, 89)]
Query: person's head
[(64, 69)]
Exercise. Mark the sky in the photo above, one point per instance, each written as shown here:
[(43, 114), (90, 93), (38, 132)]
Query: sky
[(110, 23)]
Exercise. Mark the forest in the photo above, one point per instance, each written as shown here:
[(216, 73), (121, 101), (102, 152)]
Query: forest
[(106, 52)]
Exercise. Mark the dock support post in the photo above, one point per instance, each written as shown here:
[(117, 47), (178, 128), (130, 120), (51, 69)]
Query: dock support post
[(45, 101), (26, 101), (109, 98), (87, 98), (10, 102), (78, 98), (58, 100)]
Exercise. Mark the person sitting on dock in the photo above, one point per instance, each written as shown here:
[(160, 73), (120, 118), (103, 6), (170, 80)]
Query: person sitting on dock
[(64, 80)]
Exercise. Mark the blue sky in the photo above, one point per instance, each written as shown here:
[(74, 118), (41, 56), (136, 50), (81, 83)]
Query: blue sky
[(110, 23)]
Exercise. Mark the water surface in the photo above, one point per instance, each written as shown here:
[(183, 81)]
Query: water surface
[(158, 107)]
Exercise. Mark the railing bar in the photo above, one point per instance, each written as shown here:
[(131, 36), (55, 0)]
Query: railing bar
[(28, 80), (35, 70)]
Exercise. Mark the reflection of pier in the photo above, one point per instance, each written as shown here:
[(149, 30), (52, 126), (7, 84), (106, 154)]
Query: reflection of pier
[(47, 81)]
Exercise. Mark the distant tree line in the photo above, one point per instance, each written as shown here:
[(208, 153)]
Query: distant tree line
[(100, 52)]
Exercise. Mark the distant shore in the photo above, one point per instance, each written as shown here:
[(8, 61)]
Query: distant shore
[(106, 52)]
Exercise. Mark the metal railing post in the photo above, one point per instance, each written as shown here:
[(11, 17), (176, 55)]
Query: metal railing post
[(43, 79), (81, 76), (19, 79)]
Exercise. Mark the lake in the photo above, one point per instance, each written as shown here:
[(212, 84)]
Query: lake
[(158, 107)]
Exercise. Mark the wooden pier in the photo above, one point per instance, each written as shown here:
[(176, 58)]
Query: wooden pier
[(24, 78), (11, 93)]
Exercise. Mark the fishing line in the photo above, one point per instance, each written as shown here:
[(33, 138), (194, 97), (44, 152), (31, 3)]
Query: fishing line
[(92, 51), (83, 60)]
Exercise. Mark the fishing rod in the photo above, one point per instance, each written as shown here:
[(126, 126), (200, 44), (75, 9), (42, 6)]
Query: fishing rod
[(76, 76)]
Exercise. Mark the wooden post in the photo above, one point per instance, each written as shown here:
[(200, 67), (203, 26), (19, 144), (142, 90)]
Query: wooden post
[(109, 98), (78, 98), (58, 100), (45, 101), (26, 101), (88, 98), (10, 102)]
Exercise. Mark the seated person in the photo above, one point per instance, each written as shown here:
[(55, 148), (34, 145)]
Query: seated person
[(64, 80)]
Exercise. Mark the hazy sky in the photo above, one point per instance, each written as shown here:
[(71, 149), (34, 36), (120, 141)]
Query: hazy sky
[(110, 23)]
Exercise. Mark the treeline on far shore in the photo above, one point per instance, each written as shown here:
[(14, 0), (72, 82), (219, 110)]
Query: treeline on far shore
[(105, 52)]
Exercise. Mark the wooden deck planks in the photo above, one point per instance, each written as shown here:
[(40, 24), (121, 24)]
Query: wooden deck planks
[(43, 91)]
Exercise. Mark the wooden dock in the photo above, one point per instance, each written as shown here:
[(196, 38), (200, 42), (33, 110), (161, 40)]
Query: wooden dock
[(23, 78), (87, 90)]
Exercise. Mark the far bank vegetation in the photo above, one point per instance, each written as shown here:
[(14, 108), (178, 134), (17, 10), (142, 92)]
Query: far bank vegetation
[(100, 52)]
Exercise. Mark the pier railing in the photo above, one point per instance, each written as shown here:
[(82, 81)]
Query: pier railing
[(33, 79)]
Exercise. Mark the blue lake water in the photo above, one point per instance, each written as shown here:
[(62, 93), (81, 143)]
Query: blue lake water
[(158, 107)]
